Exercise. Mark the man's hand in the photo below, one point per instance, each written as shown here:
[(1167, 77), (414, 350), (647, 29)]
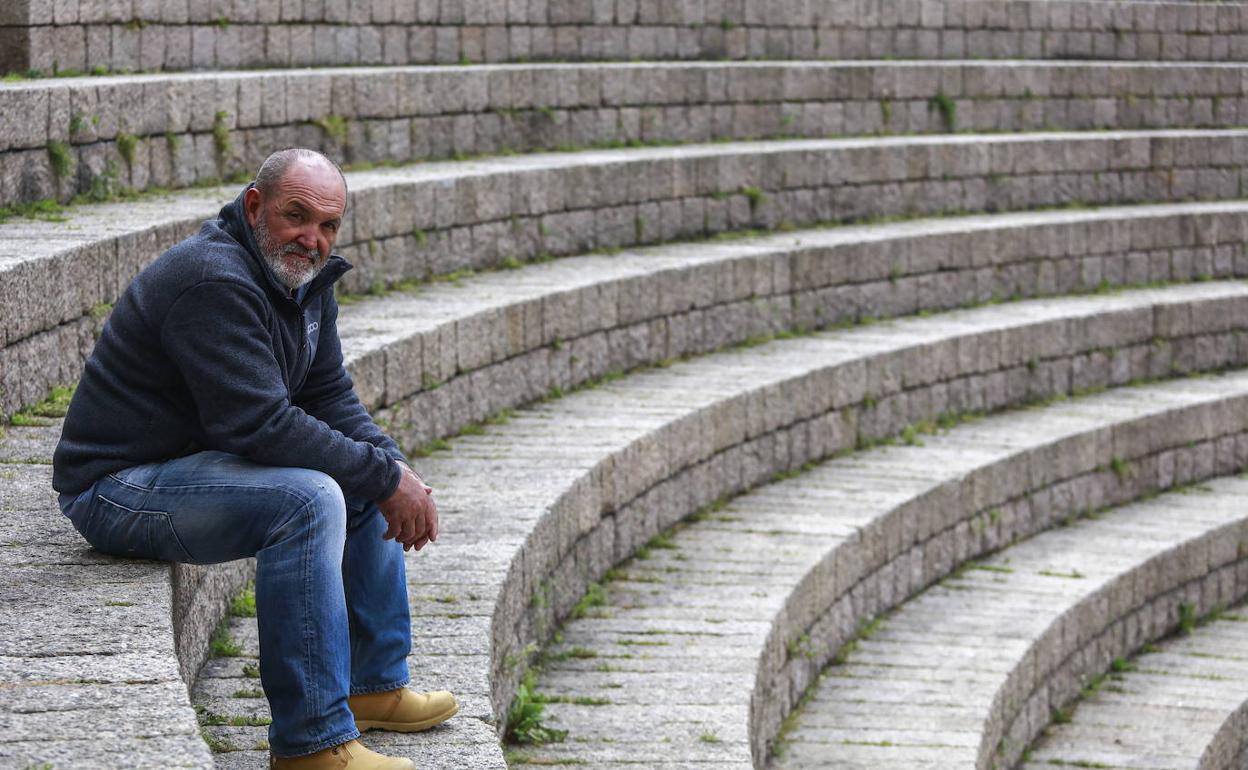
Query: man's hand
[(410, 512)]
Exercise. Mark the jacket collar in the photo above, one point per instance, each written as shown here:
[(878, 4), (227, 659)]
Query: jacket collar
[(233, 221)]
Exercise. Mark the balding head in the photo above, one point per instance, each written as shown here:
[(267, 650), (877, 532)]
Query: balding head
[(275, 167)]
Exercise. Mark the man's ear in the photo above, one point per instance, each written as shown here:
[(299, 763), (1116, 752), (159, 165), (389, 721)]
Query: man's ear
[(251, 205)]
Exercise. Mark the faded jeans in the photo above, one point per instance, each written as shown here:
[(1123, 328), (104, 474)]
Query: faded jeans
[(331, 594)]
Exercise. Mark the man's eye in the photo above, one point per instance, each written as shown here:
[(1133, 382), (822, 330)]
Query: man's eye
[(294, 216)]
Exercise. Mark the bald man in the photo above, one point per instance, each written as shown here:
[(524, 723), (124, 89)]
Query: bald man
[(215, 421)]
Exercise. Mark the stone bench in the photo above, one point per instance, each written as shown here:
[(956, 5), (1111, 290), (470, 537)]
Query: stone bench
[(88, 663), (538, 507), (1011, 642), (885, 416), (100, 134), (440, 218), (1183, 700), (708, 632), (167, 35)]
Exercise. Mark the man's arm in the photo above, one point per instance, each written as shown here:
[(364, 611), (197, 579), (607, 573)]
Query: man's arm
[(328, 394), (216, 333)]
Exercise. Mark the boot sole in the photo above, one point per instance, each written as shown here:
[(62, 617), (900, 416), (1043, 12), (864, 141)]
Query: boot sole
[(407, 727)]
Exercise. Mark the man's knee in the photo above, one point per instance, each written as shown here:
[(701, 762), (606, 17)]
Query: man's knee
[(315, 499)]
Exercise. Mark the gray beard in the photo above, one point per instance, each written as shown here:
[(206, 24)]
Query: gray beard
[(291, 277)]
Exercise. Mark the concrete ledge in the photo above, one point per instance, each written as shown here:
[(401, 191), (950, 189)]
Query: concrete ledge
[(1184, 697), (441, 218), (173, 131), (167, 36)]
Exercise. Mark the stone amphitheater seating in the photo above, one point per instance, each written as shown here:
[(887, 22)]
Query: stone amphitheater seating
[(773, 583), (895, 194), (174, 130), (81, 34), (1192, 691), (1014, 638), (439, 218)]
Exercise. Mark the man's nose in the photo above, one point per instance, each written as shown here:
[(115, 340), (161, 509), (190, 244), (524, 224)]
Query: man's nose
[(307, 239)]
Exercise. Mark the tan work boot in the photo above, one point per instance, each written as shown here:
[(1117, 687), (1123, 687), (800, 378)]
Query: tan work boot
[(351, 755), (402, 710)]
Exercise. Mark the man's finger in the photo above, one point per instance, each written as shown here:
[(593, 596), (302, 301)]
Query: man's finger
[(392, 529), (420, 531), (409, 530)]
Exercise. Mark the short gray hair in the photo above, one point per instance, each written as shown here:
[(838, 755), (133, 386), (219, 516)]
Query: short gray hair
[(276, 165)]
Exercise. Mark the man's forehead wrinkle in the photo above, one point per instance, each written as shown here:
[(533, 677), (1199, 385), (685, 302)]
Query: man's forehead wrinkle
[(326, 204), (315, 182)]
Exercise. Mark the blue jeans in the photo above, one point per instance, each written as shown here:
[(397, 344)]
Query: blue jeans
[(331, 594)]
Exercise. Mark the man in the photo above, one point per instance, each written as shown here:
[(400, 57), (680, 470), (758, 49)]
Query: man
[(215, 421)]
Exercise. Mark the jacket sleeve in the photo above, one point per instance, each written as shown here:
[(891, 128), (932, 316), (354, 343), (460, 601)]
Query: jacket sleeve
[(216, 334), (329, 394)]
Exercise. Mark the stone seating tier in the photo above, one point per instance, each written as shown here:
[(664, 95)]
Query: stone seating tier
[(700, 615), (490, 522), (99, 135), (603, 492), (441, 218), (1183, 699), (966, 674), (171, 35), (87, 658)]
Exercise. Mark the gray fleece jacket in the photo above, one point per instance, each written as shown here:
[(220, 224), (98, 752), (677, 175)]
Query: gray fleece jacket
[(207, 350)]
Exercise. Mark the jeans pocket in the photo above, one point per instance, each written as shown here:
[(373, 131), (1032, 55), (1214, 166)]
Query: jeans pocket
[(115, 529)]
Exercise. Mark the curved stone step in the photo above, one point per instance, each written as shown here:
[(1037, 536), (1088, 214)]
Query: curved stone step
[(440, 218), (661, 675), (87, 665), (168, 35), (544, 504), (723, 605), (967, 673), (172, 131), (517, 531), (1179, 704), (434, 358)]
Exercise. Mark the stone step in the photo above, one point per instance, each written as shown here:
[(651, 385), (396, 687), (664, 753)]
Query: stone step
[(1013, 638), (432, 362), (544, 504), (1179, 704), (220, 35), (536, 508), (93, 135), (87, 665), (438, 218), (661, 674)]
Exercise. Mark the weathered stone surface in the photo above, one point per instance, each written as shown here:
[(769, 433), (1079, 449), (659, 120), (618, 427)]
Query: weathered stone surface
[(1017, 635), (276, 35), (374, 115), (1183, 700), (724, 565), (830, 277)]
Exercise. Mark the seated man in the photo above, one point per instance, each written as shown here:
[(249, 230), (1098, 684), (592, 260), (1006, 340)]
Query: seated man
[(215, 421)]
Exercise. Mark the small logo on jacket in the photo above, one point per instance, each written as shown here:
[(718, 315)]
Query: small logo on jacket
[(312, 327)]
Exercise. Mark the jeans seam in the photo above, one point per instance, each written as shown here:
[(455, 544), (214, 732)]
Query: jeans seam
[(350, 735), (382, 688), (308, 633)]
